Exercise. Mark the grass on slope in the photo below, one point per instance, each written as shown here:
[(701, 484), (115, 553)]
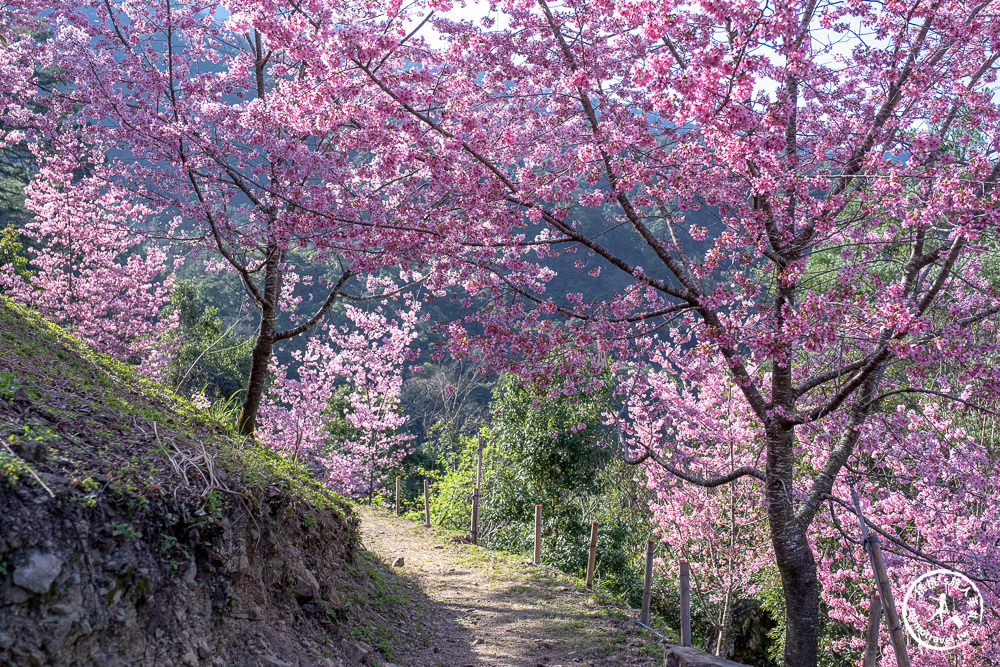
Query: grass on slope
[(72, 417)]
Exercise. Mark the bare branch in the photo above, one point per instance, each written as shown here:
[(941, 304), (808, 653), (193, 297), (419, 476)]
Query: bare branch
[(698, 480)]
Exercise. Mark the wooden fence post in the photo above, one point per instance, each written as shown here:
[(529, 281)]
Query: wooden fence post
[(592, 558), (538, 534), (397, 494), (479, 462), (871, 634), (685, 603), (474, 531), (427, 506), (647, 584), (874, 548), (885, 591)]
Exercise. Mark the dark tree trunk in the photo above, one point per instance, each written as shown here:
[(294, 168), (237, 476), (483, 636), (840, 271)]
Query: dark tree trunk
[(246, 423), (793, 556), (801, 588)]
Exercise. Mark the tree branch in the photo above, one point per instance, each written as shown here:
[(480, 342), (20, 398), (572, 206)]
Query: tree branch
[(698, 480), (330, 298), (913, 551)]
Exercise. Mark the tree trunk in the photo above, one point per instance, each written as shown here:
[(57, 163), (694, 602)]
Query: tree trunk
[(801, 589), (794, 558), (247, 421), (261, 358), (724, 643)]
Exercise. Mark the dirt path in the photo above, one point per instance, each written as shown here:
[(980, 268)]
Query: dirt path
[(471, 606)]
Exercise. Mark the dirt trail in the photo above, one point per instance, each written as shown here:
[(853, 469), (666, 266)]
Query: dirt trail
[(475, 607)]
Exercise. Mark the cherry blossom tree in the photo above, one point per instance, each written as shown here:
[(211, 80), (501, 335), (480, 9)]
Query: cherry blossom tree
[(366, 359), (721, 531), (89, 271), (789, 203), (91, 274), (923, 481), (213, 117), (799, 195)]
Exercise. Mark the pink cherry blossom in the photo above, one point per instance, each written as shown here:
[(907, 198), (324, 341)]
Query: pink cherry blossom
[(367, 358)]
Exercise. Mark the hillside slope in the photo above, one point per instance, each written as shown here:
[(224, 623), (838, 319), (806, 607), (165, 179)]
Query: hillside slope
[(134, 530)]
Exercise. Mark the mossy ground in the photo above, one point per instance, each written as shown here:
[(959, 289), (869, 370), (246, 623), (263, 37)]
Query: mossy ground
[(60, 393)]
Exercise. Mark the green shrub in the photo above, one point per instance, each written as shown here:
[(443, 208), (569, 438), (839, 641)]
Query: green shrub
[(551, 451)]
